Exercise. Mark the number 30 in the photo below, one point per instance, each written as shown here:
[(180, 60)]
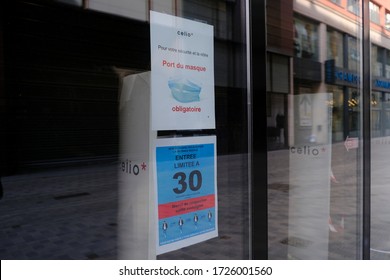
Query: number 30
[(182, 181)]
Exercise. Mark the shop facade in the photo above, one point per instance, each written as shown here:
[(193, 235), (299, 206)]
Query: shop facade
[(194, 129)]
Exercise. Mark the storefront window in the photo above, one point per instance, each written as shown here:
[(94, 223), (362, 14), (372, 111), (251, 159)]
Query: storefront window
[(353, 54), (335, 47), (305, 39), (314, 184), (125, 130), (374, 13), (387, 20), (130, 129), (353, 6), (377, 61)]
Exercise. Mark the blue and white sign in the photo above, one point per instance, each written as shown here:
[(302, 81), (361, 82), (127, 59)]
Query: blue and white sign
[(185, 176)]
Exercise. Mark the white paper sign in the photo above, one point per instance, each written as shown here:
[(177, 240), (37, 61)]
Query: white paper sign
[(182, 64)]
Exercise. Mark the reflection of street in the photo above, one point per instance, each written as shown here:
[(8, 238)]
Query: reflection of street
[(344, 207), (72, 214), (60, 214)]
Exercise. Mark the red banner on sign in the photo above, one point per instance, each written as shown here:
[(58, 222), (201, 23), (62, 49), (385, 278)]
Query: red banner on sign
[(185, 206)]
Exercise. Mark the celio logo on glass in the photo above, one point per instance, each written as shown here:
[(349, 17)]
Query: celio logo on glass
[(306, 150), (185, 33), (131, 168)]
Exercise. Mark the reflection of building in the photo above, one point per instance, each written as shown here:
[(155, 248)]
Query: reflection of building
[(62, 64), (318, 47), (63, 77), (324, 57)]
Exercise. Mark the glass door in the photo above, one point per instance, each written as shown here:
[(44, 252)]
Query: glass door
[(78, 152), (314, 174)]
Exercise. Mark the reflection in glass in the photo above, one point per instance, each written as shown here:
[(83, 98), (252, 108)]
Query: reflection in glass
[(337, 113), (335, 47), (314, 184), (305, 39), (64, 67), (374, 13), (353, 6), (377, 61), (353, 51), (310, 170), (387, 67)]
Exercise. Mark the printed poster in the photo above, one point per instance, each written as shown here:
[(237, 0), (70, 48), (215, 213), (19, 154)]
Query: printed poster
[(182, 79), (186, 188)]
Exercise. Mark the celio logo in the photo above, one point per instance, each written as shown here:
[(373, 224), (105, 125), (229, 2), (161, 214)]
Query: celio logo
[(307, 150), (185, 33), (131, 168)]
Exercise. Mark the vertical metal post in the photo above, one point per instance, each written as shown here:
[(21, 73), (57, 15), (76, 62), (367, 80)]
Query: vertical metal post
[(258, 125), (366, 131)]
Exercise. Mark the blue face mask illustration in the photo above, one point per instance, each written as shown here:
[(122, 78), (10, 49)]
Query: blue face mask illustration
[(184, 90)]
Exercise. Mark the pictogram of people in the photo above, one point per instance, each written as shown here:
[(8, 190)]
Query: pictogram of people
[(209, 216), (196, 219), (165, 227), (181, 223)]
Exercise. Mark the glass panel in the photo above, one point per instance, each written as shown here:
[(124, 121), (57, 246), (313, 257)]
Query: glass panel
[(82, 171), (380, 132), (314, 178)]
